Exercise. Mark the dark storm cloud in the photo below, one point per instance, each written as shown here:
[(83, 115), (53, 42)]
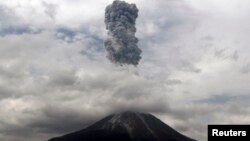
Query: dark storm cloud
[(121, 44)]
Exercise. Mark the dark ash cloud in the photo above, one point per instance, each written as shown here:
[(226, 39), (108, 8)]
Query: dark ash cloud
[(121, 44)]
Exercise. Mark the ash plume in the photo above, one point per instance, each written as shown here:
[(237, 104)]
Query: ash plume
[(121, 43)]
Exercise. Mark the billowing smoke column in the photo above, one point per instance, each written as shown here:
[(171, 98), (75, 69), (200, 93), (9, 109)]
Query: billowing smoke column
[(121, 44)]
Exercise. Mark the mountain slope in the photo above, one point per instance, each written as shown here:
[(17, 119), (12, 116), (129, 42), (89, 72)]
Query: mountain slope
[(126, 126)]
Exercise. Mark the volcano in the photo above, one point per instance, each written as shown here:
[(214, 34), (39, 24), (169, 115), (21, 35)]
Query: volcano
[(126, 126)]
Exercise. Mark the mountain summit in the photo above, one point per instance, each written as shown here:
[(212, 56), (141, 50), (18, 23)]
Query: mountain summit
[(126, 126)]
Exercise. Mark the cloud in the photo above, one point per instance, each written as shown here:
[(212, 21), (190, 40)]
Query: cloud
[(50, 9), (193, 118), (246, 68), (60, 76), (61, 85), (63, 104), (10, 26)]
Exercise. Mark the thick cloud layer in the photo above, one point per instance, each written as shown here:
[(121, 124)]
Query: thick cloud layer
[(58, 80), (121, 44)]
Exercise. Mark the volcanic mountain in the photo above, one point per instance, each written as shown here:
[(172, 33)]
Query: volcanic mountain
[(126, 126)]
